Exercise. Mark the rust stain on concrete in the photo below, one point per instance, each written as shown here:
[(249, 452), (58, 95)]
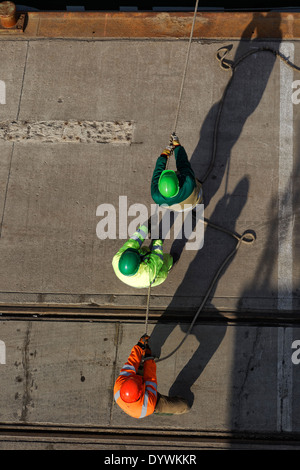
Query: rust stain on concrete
[(208, 25)]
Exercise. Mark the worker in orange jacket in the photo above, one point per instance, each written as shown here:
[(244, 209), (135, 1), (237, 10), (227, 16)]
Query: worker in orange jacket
[(136, 394)]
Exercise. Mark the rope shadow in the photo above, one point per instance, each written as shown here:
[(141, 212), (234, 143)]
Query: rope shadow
[(217, 243), (238, 102)]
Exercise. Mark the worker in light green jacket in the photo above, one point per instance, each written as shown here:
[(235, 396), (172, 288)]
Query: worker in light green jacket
[(139, 266)]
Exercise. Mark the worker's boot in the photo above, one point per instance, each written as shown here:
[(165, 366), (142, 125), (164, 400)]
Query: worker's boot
[(171, 405)]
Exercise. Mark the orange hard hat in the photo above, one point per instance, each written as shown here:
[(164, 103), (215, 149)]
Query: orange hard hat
[(131, 389)]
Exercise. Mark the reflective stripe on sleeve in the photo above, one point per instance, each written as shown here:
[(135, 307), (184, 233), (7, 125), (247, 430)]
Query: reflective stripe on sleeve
[(125, 373), (145, 406), (126, 369), (157, 247), (142, 232), (151, 386), (157, 250), (137, 238), (160, 255), (139, 233)]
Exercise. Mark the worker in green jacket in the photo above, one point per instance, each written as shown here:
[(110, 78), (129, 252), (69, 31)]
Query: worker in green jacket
[(139, 266), (179, 190)]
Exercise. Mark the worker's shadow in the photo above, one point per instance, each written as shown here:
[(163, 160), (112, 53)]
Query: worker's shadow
[(217, 246), (262, 285), (237, 103)]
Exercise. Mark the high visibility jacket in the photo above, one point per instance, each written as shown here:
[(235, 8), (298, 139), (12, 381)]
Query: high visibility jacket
[(145, 406), (190, 192), (151, 265)]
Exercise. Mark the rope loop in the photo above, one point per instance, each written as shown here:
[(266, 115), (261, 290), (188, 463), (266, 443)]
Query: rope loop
[(247, 237), (220, 56), (250, 237)]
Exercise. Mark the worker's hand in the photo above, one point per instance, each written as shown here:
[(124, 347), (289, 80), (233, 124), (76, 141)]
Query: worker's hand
[(143, 342), (148, 352), (168, 150), (174, 141)]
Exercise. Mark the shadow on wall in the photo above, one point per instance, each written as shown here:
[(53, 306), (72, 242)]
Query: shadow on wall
[(261, 285), (242, 99), (253, 376)]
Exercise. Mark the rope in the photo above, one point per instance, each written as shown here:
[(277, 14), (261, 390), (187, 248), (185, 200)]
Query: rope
[(147, 309), (185, 67), (240, 239), (183, 78), (226, 65), (175, 122)]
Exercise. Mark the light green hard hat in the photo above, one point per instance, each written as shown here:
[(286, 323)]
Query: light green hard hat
[(168, 183)]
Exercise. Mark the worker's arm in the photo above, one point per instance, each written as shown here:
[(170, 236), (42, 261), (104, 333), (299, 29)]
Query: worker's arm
[(135, 241), (182, 162), (154, 260), (150, 377), (160, 166), (133, 362), (131, 366)]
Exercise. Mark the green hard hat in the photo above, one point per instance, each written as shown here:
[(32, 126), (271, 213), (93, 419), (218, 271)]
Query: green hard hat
[(168, 183), (129, 262)]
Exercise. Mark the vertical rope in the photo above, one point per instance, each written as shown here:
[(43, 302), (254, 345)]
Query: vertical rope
[(185, 68), (174, 128), (147, 309), (183, 76)]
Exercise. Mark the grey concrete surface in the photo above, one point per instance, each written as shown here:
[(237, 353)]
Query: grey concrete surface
[(238, 378), (54, 189)]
